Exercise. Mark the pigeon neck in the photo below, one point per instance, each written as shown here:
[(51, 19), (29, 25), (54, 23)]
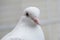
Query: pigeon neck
[(27, 21)]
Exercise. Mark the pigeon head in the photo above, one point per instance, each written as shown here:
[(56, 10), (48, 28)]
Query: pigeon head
[(33, 13)]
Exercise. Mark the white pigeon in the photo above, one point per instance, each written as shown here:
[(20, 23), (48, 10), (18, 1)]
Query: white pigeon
[(28, 27)]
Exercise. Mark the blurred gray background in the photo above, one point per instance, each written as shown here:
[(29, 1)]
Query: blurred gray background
[(12, 10)]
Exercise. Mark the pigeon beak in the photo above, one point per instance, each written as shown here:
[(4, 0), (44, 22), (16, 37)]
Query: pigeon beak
[(36, 20)]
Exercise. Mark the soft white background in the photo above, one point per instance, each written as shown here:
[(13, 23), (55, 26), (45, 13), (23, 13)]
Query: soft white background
[(12, 10)]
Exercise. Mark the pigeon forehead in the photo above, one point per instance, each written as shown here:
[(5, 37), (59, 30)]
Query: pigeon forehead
[(33, 10)]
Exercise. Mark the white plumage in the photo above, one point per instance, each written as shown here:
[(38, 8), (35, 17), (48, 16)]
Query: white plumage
[(28, 27)]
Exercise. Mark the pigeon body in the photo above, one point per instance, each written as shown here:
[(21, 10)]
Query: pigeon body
[(28, 27)]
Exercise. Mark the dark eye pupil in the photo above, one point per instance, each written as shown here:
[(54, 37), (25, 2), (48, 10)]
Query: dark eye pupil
[(27, 14)]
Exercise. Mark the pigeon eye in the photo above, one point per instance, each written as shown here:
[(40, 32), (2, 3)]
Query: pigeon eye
[(27, 14)]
